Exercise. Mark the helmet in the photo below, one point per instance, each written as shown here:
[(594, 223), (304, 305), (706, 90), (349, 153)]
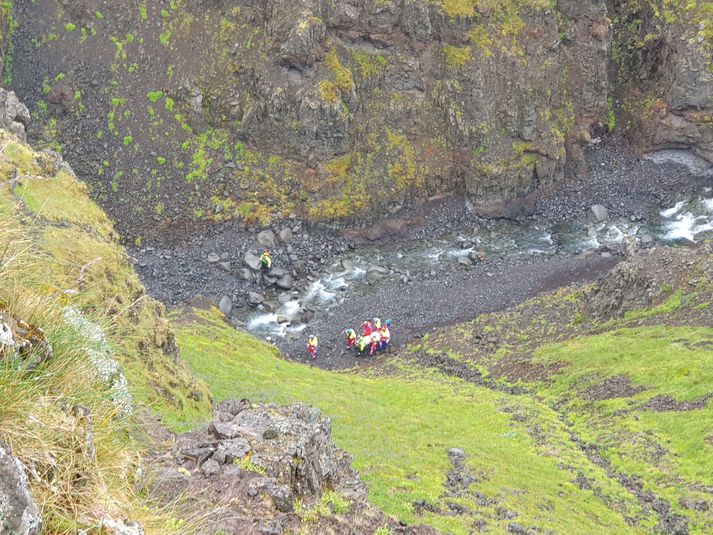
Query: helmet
[(387, 323)]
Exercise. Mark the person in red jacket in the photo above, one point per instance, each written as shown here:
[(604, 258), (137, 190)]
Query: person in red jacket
[(367, 328)]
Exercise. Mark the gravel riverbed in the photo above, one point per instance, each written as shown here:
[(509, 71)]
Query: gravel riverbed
[(419, 295)]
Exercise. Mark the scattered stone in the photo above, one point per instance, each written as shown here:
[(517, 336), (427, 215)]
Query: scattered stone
[(225, 266), (514, 527), (477, 256), (109, 526), (231, 450), (226, 305), (213, 258), (346, 264), (465, 261), (210, 468), (282, 319), (244, 274), (376, 273), (18, 512), (286, 235), (252, 261), (266, 238), (270, 433), (277, 272), (281, 496), (14, 115), (285, 282), (598, 213), (255, 298)]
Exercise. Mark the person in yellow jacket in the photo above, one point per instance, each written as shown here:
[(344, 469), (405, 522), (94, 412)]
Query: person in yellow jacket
[(312, 346), (375, 342), (265, 262)]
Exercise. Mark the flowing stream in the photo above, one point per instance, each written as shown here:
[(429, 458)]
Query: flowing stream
[(684, 223)]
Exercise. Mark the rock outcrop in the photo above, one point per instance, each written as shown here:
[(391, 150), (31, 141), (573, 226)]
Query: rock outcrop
[(271, 463), (665, 58), (15, 116), (646, 278), (18, 512)]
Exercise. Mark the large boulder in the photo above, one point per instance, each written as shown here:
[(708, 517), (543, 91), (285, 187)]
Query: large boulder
[(18, 512)]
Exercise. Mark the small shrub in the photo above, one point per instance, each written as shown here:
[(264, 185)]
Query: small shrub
[(70, 27), (154, 96)]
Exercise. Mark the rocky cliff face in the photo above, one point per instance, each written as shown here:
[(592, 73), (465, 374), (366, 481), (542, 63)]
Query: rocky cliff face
[(664, 55), (252, 110), (332, 109)]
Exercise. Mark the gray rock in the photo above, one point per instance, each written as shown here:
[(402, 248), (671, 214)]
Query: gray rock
[(231, 450), (266, 238), (270, 433), (346, 264), (598, 213), (255, 298), (285, 282), (244, 274), (376, 273), (226, 305), (18, 512), (281, 496), (252, 261), (213, 258), (232, 406), (276, 273), (14, 115), (225, 430), (225, 266), (283, 319), (210, 468), (286, 235), (465, 261)]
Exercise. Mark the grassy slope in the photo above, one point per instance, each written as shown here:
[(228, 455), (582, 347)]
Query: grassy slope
[(526, 450), (399, 428), (49, 232), (71, 232)]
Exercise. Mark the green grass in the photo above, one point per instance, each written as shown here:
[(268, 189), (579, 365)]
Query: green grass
[(665, 360), (671, 451), (399, 430)]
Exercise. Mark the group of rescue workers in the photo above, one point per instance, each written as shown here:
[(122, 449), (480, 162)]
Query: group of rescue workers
[(375, 336)]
